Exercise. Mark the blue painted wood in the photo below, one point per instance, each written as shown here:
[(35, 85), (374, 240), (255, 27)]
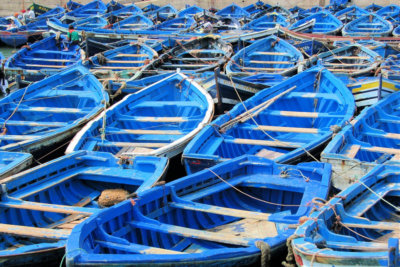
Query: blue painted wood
[(200, 220), (163, 13), (43, 58), (19, 36), (373, 7), (92, 8), (190, 11), (135, 22), (351, 13), (298, 116), (368, 25), (177, 24), (391, 68), (13, 162), (322, 22), (233, 11), (53, 197), (50, 111), (257, 7), (268, 21), (268, 55), (354, 226), (159, 120)]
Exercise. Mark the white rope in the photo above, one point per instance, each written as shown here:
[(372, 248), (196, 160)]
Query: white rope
[(381, 198)]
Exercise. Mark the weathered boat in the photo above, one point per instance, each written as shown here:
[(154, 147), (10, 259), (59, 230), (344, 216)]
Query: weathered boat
[(135, 22), (43, 58), (57, 195), (390, 68), (163, 13), (176, 24), (308, 12), (268, 21), (368, 25), (21, 35), (92, 22), (13, 162), (190, 11), (351, 60), (280, 10), (71, 5), (50, 111), (311, 48), (283, 123), (255, 8), (130, 58), (373, 7), (200, 220), (370, 140), (351, 13), (94, 7), (159, 120), (150, 7), (369, 90), (359, 226), (123, 13), (199, 55), (389, 11), (322, 22), (233, 11), (268, 55), (54, 12)]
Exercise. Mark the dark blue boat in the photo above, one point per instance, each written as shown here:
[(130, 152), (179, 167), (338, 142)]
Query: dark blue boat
[(39, 207), (43, 58), (135, 22), (308, 12), (268, 21), (159, 120), (21, 35), (351, 13), (50, 111), (150, 7), (370, 140), (163, 13), (282, 123), (176, 24), (257, 7), (268, 55), (368, 25), (373, 7), (358, 226), (190, 11), (320, 23), (233, 11), (389, 11), (200, 220), (311, 48), (94, 7)]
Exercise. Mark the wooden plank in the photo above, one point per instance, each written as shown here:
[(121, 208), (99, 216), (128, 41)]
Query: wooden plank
[(125, 61), (260, 68), (272, 53), (193, 233), (375, 225), (138, 248), (153, 132), (382, 149), (352, 152), (265, 143), (392, 135), (286, 129), (131, 55), (128, 144), (35, 232), (221, 210), (350, 57), (116, 67), (36, 123), (343, 70), (161, 119), (271, 62), (362, 246), (52, 109), (299, 114), (28, 205), (46, 66), (18, 137), (269, 154)]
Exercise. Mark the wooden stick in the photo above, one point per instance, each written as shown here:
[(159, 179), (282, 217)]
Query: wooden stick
[(270, 62), (265, 143), (127, 144), (35, 232), (45, 66), (125, 61), (116, 67), (287, 129), (132, 55), (259, 68)]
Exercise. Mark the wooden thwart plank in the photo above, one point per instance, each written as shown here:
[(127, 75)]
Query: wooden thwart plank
[(48, 207), (382, 149), (161, 119), (221, 210), (287, 129), (130, 144), (265, 143), (46, 66), (155, 132), (299, 114), (375, 225), (352, 152), (132, 55), (271, 62), (260, 68), (35, 232), (116, 67)]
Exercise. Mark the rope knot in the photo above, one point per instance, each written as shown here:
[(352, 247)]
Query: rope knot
[(265, 252)]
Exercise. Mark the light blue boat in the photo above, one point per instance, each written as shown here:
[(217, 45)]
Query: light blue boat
[(268, 21), (368, 25), (282, 123), (233, 11), (351, 13), (190, 11), (319, 23)]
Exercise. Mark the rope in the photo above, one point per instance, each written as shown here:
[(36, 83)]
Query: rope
[(14, 111), (265, 252), (289, 261), (381, 198)]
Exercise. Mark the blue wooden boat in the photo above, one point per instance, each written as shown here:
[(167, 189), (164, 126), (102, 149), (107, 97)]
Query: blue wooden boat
[(268, 21), (123, 13), (373, 7), (39, 207), (190, 11), (278, 9), (390, 68), (320, 23), (130, 58), (199, 55), (43, 58), (370, 140), (92, 22), (226, 24), (176, 24), (159, 120), (358, 226), (200, 220), (13, 162), (311, 48), (351, 13), (268, 55), (114, 6), (135, 22), (233, 11), (257, 7), (389, 11), (351, 60), (368, 25), (280, 123), (150, 7), (163, 13), (94, 7), (21, 35), (308, 12), (55, 12), (71, 5), (50, 111), (267, 80)]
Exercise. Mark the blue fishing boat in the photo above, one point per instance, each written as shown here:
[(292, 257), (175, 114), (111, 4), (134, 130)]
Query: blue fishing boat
[(50, 111), (351, 13), (308, 12), (135, 22), (71, 5), (311, 48), (123, 13), (320, 23), (176, 24), (373, 7), (268, 21), (200, 220), (199, 55), (159, 120), (13, 162), (95, 7), (114, 6), (150, 7), (60, 194), (351, 60), (370, 140), (268, 55), (282, 123), (130, 58), (257, 7), (233, 11), (368, 25), (190, 11), (163, 13), (359, 226), (277, 9), (389, 11), (92, 22), (55, 12), (390, 68), (21, 35), (43, 58)]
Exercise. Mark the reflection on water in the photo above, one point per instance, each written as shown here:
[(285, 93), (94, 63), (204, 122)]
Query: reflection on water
[(7, 51)]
